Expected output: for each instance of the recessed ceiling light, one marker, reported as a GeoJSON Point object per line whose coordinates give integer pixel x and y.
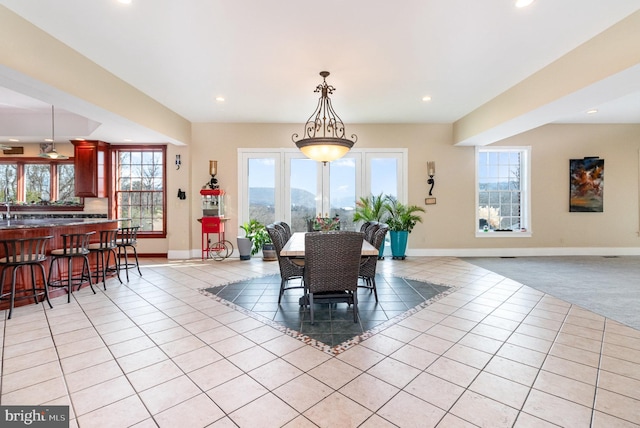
{"type": "Point", "coordinates": [124, 1]}
{"type": "Point", "coordinates": [426, 98]}
{"type": "Point", "coordinates": [220, 99]}
{"type": "Point", "coordinates": [127, 140]}
{"type": "Point", "coordinates": [523, 3]}
{"type": "Point", "coordinates": [14, 140]}
{"type": "Point", "coordinates": [592, 111]}
{"type": "Point", "coordinates": [50, 140]}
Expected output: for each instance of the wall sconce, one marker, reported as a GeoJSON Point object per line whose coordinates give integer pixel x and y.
{"type": "Point", "coordinates": [213, 170]}
{"type": "Point", "coordinates": [178, 162]}
{"type": "Point", "coordinates": [431, 171]}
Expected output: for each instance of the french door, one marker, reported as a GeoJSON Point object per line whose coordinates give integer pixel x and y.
{"type": "Point", "coordinates": [282, 184]}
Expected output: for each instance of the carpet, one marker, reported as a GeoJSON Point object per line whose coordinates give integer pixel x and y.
{"type": "Point", "coordinates": [608, 286]}
{"type": "Point", "coordinates": [334, 330]}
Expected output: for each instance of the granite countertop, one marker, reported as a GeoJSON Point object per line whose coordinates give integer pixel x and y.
{"type": "Point", "coordinates": [24, 223]}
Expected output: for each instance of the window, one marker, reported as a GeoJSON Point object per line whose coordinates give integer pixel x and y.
{"type": "Point", "coordinates": [32, 183]}
{"type": "Point", "coordinates": [282, 184]}
{"type": "Point", "coordinates": [262, 189]}
{"type": "Point", "coordinates": [502, 178]}
{"type": "Point", "coordinates": [139, 187]}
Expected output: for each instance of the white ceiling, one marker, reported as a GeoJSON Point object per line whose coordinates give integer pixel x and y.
{"type": "Point", "coordinates": [264, 57]}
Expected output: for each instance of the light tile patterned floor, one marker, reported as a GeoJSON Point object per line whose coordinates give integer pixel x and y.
{"type": "Point", "coordinates": [157, 352]}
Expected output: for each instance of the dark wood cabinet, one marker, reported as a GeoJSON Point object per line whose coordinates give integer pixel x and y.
{"type": "Point", "coordinates": [90, 162]}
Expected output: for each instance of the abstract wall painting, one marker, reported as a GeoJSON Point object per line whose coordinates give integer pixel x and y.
{"type": "Point", "coordinates": [586, 178]}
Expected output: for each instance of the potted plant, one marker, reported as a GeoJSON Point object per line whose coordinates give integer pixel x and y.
{"type": "Point", "coordinates": [262, 241]}
{"type": "Point", "coordinates": [245, 243]}
{"type": "Point", "coordinates": [372, 208]}
{"type": "Point", "coordinates": [402, 219]}
{"type": "Point", "coordinates": [256, 238]}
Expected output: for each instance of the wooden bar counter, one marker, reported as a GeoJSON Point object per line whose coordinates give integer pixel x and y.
{"type": "Point", "coordinates": [56, 227]}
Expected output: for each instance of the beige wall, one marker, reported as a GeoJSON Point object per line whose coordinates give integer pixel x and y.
{"type": "Point", "coordinates": [448, 227]}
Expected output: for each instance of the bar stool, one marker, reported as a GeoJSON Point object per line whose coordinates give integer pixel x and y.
{"type": "Point", "coordinates": [106, 245]}
{"type": "Point", "coordinates": [128, 238]}
{"type": "Point", "coordinates": [74, 246]}
{"type": "Point", "coordinates": [19, 253]}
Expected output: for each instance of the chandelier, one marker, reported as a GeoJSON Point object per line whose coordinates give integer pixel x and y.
{"type": "Point", "coordinates": [324, 139]}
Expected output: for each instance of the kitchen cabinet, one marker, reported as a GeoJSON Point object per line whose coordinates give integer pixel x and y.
{"type": "Point", "coordinates": [90, 163]}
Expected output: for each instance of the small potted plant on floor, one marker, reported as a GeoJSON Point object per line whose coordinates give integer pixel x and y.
{"type": "Point", "coordinates": [256, 238]}
{"type": "Point", "coordinates": [402, 219]}
{"type": "Point", "coordinates": [245, 243]}
{"type": "Point", "coordinates": [262, 241]}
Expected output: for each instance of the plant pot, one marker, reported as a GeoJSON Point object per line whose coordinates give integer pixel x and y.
{"type": "Point", "coordinates": [244, 248]}
{"type": "Point", "coordinates": [269, 253]}
{"type": "Point", "coordinates": [398, 243]}
{"type": "Point", "coordinates": [381, 252]}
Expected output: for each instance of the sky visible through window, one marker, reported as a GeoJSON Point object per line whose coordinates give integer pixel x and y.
{"type": "Point", "coordinates": [383, 176]}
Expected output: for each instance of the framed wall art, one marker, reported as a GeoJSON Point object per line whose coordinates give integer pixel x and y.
{"type": "Point", "coordinates": [586, 185]}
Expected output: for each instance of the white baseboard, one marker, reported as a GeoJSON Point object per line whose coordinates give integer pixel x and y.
{"type": "Point", "coordinates": [182, 254]}
{"type": "Point", "coordinates": [524, 252]}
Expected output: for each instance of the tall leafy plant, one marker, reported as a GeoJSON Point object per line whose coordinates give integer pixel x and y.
{"type": "Point", "coordinates": [371, 208]}
{"type": "Point", "coordinates": [402, 217]}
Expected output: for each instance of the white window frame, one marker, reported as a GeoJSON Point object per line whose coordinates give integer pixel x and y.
{"type": "Point", "coordinates": [282, 157]}
{"type": "Point", "coordinates": [243, 156]}
{"type": "Point", "coordinates": [525, 189]}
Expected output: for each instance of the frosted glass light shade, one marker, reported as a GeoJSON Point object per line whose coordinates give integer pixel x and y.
{"type": "Point", "coordinates": [324, 149]}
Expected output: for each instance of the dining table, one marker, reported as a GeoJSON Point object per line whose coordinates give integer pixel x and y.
{"type": "Point", "coordinates": [295, 247]}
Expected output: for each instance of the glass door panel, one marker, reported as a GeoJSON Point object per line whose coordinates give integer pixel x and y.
{"type": "Point", "coordinates": [342, 191]}
{"type": "Point", "coordinates": [303, 194]}
{"type": "Point", "coordinates": [262, 189]}
{"type": "Point", "coordinates": [384, 176]}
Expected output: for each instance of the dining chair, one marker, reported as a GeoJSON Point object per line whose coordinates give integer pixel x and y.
{"type": "Point", "coordinates": [285, 226]}
{"type": "Point", "coordinates": [364, 226]}
{"type": "Point", "coordinates": [368, 266]}
{"type": "Point", "coordinates": [370, 231]}
{"type": "Point", "coordinates": [332, 265]}
{"type": "Point", "coordinates": [290, 268]}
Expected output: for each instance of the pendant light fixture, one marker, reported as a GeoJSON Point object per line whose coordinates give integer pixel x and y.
{"type": "Point", "coordinates": [324, 139]}
{"type": "Point", "coordinates": [53, 154]}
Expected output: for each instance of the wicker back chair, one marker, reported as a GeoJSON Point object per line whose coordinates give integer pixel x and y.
{"type": "Point", "coordinates": [289, 268]}
{"type": "Point", "coordinates": [364, 226]}
{"type": "Point", "coordinates": [332, 263]}
{"type": "Point", "coordinates": [286, 227]}
{"type": "Point", "coordinates": [368, 265]}
{"type": "Point", "coordinates": [370, 231]}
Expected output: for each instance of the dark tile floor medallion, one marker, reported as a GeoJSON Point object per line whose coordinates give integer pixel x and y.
{"type": "Point", "coordinates": [333, 330]}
